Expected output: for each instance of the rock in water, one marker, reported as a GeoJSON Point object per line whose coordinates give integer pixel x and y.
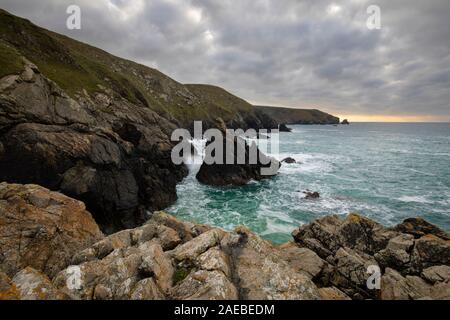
{"type": "Point", "coordinates": [41, 229]}
{"type": "Point", "coordinates": [284, 128]}
{"type": "Point", "coordinates": [311, 195]}
{"type": "Point", "coordinates": [237, 174]}
{"type": "Point", "coordinates": [345, 122]}
{"type": "Point", "coordinates": [288, 160]}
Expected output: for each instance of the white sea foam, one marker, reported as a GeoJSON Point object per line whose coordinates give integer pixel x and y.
{"type": "Point", "coordinates": [418, 199]}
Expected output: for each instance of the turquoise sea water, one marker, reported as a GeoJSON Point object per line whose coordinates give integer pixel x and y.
{"type": "Point", "coordinates": [386, 171]}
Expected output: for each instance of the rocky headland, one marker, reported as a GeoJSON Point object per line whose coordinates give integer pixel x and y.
{"type": "Point", "coordinates": [52, 249]}
{"type": "Point", "coordinates": [298, 116]}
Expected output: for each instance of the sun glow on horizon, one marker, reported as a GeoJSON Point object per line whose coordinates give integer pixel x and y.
{"type": "Point", "coordinates": [393, 118]}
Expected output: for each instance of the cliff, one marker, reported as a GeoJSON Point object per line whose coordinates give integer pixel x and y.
{"type": "Point", "coordinates": [298, 116]}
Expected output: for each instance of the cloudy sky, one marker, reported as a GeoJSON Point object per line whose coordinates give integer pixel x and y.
{"type": "Point", "coordinates": [306, 54]}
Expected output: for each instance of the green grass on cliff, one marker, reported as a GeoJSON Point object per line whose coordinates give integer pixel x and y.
{"type": "Point", "coordinates": [10, 61]}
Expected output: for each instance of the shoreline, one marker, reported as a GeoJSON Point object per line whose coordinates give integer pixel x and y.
{"type": "Point", "coordinates": [166, 258]}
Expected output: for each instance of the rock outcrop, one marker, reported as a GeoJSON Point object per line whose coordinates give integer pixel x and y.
{"type": "Point", "coordinates": [170, 259]}
{"type": "Point", "coordinates": [41, 229]}
{"type": "Point", "coordinates": [247, 163]}
{"type": "Point", "coordinates": [331, 258]}
{"type": "Point", "coordinates": [298, 116]}
{"type": "Point", "coordinates": [412, 258]}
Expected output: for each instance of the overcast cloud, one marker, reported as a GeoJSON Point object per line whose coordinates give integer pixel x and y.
{"type": "Point", "coordinates": [311, 53]}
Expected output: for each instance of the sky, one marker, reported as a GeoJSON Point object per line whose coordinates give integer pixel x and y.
{"type": "Point", "coordinates": [301, 54]}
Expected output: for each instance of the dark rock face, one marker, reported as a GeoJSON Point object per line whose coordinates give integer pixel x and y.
{"type": "Point", "coordinates": [236, 174]}
{"type": "Point", "coordinates": [412, 267]}
{"type": "Point", "coordinates": [345, 122]}
{"type": "Point", "coordinates": [117, 163]}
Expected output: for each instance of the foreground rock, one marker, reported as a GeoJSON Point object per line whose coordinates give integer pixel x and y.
{"type": "Point", "coordinates": [412, 263]}
{"type": "Point", "coordinates": [170, 259]}
{"type": "Point", "coordinates": [41, 229]}
{"type": "Point", "coordinates": [49, 254]}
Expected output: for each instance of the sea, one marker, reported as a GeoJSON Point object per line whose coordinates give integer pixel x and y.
{"type": "Point", "coordinates": [385, 171]}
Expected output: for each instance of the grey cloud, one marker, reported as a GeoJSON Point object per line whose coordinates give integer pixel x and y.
{"type": "Point", "coordinates": [289, 52]}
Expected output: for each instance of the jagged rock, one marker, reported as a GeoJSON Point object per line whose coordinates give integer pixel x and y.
{"type": "Point", "coordinates": [326, 235]}
{"type": "Point", "coordinates": [156, 264]}
{"type": "Point", "coordinates": [333, 293]}
{"type": "Point", "coordinates": [146, 290]}
{"type": "Point", "coordinates": [192, 249]}
{"type": "Point", "coordinates": [345, 122]}
{"type": "Point", "coordinates": [395, 287]}
{"type": "Point", "coordinates": [186, 231]}
{"type": "Point", "coordinates": [398, 259]}
{"type": "Point", "coordinates": [41, 229]}
{"type": "Point", "coordinates": [302, 259]}
{"type": "Point", "coordinates": [33, 285]}
{"type": "Point", "coordinates": [403, 242]}
{"type": "Point", "coordinates": [418, 227]}
{"type": "Point", "coordinates": [8, 290]}
{"type": "Point", "coordinates": [205, 285]}
{"type": "Point", "coordinates": [440, 291]}
{"type": "Point", "coordinates": [437, 274]}
{"type": "Point", "coordinates": [364, 235]}
{"type": "Point", "coordinates": [117, 275]}
{"type": "Point", "coordinates": [214, 259]}
{"type": "Point", "coordinates": [354, 266]}
{"type": "Point", "coordinates": [263, 274]}
{"type": "Point", "coordinates": [397, 253]}
{"type": "Point", "coordinates": [321, 235]}
{"type": "Point", "coordinates": [429, 251]}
